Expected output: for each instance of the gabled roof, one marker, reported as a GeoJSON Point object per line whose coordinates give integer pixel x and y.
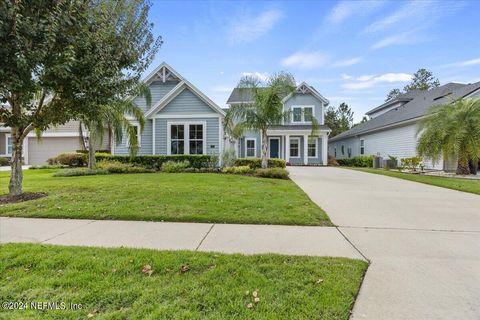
{"type": "Point", "coordinates": [413, 110]}
{"type": "Point", "coordinates": [165, 73]}
{"type": "Point", "coordinates": [246, 96]}
{"type": "Point", "coordinates": [404, 97]}
{"type": "Point", "coordinates": [304, 88]}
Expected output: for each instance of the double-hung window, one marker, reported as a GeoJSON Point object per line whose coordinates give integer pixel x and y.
{"type": "Point", "coordinates": [196, 138]}
{"type": "Point", "coordinates": [250, 148]}
{"type": "Point", "coordinates": [9, 145]}
{"type": "Point", "coordinates": [294, 148]}
{"type": "Point", "coordinates": [362, 146]}
{"type": "Point", "coordinates": [302, 114]}
{"type": "Point", "coordinates": [312, 147]}
{"type": "Point", "coordinates": [187, 138]}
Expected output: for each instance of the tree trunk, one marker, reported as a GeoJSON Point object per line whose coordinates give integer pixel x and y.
{"type": "Point", "coordinates": [462, 167]}
{"type": "Point", "coordinates": [16, 177]}
{"type": "Point", "coordinates": [473, 166]}
{"type": "Point", "coordinates": [91, 150]}
{"type": "Point", "coordinates": [264, 149]}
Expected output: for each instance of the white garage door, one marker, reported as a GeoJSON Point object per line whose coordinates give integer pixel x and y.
{"type": "Point", "coordinates": [40, 150]}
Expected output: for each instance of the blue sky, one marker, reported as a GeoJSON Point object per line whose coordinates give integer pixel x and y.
{"type": "Point", "coordinates": [350, 51]}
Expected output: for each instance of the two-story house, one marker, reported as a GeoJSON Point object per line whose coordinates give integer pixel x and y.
{"type": "Point", "coordinates": [292, 140]}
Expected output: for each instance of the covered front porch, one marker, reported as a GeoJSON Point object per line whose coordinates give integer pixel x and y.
{"type": "Point", "coordinates": [294, 145]}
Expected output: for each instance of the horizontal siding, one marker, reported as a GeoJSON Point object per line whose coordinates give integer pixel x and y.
{"type": "Point", "coordinates": [298, 161]}
{"type": "Point", "coordinates": [212, 135]}
{"type": "Point", "coordinates": [353, 143]}
{"type": "Point", "coordinates": [250, 135]}
{"type": "Point", "coordinates": [299, 99]}
{"type": "Point", "coordinates": [318, 159]}
{"type": "Point", "coordinates": [158, 90]}
{"type": "Point", "coordinates": [186, 103]}
{"type": "Point", "coordinates": [71, 126]}
{"type": "Point", "coordinates": [145, 143]}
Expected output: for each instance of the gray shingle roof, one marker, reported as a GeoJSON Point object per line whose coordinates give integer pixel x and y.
{"type": "Point", "coordinates": [408, 96]}
{"type": "Point", "coordinates": [414, 109]}
{"type": "Point", "coordinates": [240, 96]}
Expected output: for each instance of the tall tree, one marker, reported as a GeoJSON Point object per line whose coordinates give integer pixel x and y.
{"type": "Point", "coordinates": [339, 119]}
{"type": "Point", "coordinates": [46, 72]}
{"type": "Point", "coordinates": [452, 131]}
{"type": "Point", "coordinates": [267, 108]}
{"type": "Point", "coordinates": [421, 80]}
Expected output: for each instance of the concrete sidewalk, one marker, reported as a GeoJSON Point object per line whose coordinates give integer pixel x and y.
{"type": "Point", "coordinates": [227, 238]}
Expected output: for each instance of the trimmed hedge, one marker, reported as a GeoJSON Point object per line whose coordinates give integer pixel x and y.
{"type": "Point", "coordinates": [256, 163]}
{"type": "Point", "coordinates": [4, 162]}
{"type": "Point", "coordinates": [155, 161]}
{"type": "Point", "coordinates": [96, 151]}
{"type": "Point", "coordinates": [363, 162]}
{"type": "Point", "coordinates": [71, 159]}
{"type": "Point", "coordinates": [273, 173]}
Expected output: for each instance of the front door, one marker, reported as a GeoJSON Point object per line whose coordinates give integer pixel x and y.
{"type": "Point", "coordinates": [274, 148]}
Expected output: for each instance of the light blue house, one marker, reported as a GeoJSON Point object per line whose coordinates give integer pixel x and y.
{"type": "Point", "coordinates": [293, 140]}
{"type": "Point", "coordinates": [180, 119]}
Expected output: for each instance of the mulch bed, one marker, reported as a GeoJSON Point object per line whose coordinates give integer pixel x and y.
{"type": "Point", "coordinates": [26, 196]}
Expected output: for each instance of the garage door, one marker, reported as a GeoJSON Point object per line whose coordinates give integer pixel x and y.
{"type": "Point", "coordinates": [40, 150]}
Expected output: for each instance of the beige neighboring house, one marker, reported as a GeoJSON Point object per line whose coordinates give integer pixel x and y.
{"type": "Point", "coordinates": [56, 140]}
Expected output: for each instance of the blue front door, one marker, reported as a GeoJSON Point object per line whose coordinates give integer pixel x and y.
{"type": "Point", "coordinates": [275, 148]}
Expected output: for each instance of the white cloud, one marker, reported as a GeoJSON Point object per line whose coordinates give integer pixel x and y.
{"type": "Point", "coordinates": [408, 37]}
{"type": "Point", "coordinates": [465, 63]}
{"type": "Point", "coordinates": [368, 81]}
{"type": "Point", "coordinates": [306, 60]}
{"type": "Point", "coordinates": [262, 76]}
{"type": "Point", "coordinates": [346, 9]}
{"type": "Point", "coordinates": [248, 28]}
{"type": "Point", "coordinates": [347, 62]}
{"type": "Point", "coordinates": [347, 76]}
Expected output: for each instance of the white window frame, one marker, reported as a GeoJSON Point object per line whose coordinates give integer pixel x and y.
{"type": "Point", "coordinates": [362, 148]}
{"type": "Point", "coordinates": [186, 137]}
{"type": "Point", "coordinates": [254, 147]}
{"type": "Point", "coordinates": [302, 113]}
{"type": "Point", "coordinates": [315, 139]}
{"type": "Point", "coordinates": [290, 148]}
{"type": "Point", "coordinates": [8, 135]}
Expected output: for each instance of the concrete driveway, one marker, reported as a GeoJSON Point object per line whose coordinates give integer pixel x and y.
{"type": "Point", "coordinates": [423, 242]}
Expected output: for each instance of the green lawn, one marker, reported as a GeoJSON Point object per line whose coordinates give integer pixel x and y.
{"type": "Point", "coordinates": [110, 284]}
{"type": "Point", "coordinates": [466, 185]}
{"type": "Point", "coordinates": [194, 197]}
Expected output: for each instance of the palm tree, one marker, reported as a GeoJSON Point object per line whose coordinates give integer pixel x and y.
{"type": "Point", "coordinates": [452, 131]}
{"type": "Point", "coordinates": [114, 117]}
{"type": "Point", "coordinates": [264, 111]}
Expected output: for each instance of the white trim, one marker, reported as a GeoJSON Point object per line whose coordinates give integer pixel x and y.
{"type": "Point", "coordinates": [289, 148]}
{"type": "Point", "coordinates": [472, 93]}
{"type": "Point", "coordinates": [311, 91]}
{"type": "Point", "coordinates": [54, 134]}
{"type": "Point", "coordinates": [165, 99]}
{"type": "Point", "coordinates": [360, 151]}
{"type": "Point", "coordinates": [305, 149]}
{"type": "Point", "coordinates": [302, 114]}
{"type": "Point", "coordinates": [325, 149]}
{"type": "Point", "coordinates": [221, 142]}
{"type": "Point", "coordinates": [25, 150]}
{"type": "Point", "coordinates": [8, 135]}
{"type": "Point", "coordinates": [186, 116]}
{"type": "Point", "coordinates": [315, 138]}
{"type": "Point", "coordinates": [254, 147]}
{"type": "Point", "coordinates": [279, 149]}
{"type": "Point", "coordinates": [153, 136]}
{"type": "Point", "coordinates": [186, 135]}
{"type": "Point", "coordinates": [295, 132]}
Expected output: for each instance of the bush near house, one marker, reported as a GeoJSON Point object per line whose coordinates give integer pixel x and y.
{"type": "Point", "coordinates": [362, 161]}
{"type": "Point", "coordinates": [71, 159]}
{"type": "Point", "coordinates": [155, 161]}
{"type": "Point", "coordinates": [175, 166]}
{"type": "Point", "coordinates": [256, 163]}
{"type": "Point", "coordinates": [411, 163]}
{"type": "Point", "coordinates": [274, 173]}
{"type": "Point", "coordinates": [96, 151]}
{"type": "Point", "coordinates": [238, 170]}
{"type": "Point", "coordinates": [4, 162]}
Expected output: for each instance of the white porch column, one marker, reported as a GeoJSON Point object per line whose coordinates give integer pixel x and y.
{"type": "Point", "coordinates": [305, 149]}
{"type": "Point", "coordinates": [153, 136]}
{"type": "Point", "coordinates": [325, 149]}
{"type": "Point", "coordinates": [287, 148]}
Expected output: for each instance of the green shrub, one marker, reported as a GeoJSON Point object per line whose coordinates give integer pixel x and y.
{"type": "Point", "coordinates": [238, 170]}
{"type": "Point", "coordinates": [47, 166]}
{"type": "Point", "coordinates": [79, 172]}
{"type": "Point", "coordinates": [362, 161]}
{"type": "Point", "coordinates": [411, 163]}
{"type": "Point", "coordinates": [4, 162]}
{"type": "Point", "coordinates": [174, 166]}
{"type": "Point", "coordinates": [229, 157]}
{"type": "Point", "coordinates": [118, 167]}
{"type": "Point", "coordinates": [274, 173]}
{"type": "Point", "coordinates": [71, 159]}
{"type": "Point", "coordinates": [256, 163]}
{"type": "Point", "coordinates": [202, 170]}
{"type": "Point", "coordinates": [155, 161]}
